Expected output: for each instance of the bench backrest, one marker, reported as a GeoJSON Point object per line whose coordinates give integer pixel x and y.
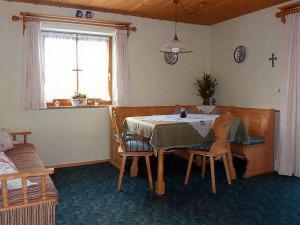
{"type": "Point", "coordinates": [259, 122]}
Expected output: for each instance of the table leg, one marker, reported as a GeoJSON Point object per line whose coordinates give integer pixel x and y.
{"type": "Point", "coordinates": [134, 166]}
{"type": "Point", "coordinates": [160, 184]}
{"type": "Point", "coordinates": [230, 164]}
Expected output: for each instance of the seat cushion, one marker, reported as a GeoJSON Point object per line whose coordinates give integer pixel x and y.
{"type": "Point", "coordinates": [6, 167]}
{"type": "Point", "coordinates": [25, 158]}
{"type": "Point", "coordinates": [253, 141]}
{"type": "Point", "coordinates": [129, 136]}
{"type": "Point", "coordinates": [204, 146]}
{"type": "Point", "coordinates": [6, 141]}
{"type": "Point", "coordinates": [137, 146]}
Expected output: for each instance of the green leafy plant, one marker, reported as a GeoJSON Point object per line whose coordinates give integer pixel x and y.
{"type": "Point", "coordinates": [78, 95]}
{"type": "Point", "coordinates": [206, 87]}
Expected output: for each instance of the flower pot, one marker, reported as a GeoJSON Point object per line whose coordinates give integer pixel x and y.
{"type": "Point", "coordinates": [79, 101]}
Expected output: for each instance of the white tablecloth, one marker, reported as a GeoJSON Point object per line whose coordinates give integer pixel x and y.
{"type": "Point", "coordinates": [200, 122]}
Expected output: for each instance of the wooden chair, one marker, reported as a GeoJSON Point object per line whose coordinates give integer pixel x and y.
{"type": "Point", "coordinates": [218, 149]}
{"type": "Point", "coordinates": [131, 146]}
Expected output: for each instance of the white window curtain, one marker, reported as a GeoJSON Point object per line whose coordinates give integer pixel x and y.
{"type": "Point", "coordinates": [288, 158]}
{"type": "Point", "coordinates": [122, 90]}
{"type": "Point", "coordinates": [33, 67]}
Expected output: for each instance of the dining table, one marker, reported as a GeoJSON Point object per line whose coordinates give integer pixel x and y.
{"type": "Point", "coordinates": [172, 132]}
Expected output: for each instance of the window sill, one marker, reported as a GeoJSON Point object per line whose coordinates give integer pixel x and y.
{"type": "Point", "coordinates": [77, 107]}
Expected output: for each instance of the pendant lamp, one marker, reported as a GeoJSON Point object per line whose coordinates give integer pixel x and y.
{"type": "Point", "coordinates": [175, 46]}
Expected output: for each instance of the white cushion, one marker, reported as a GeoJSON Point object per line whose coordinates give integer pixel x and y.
{"type": "Point", "coordinates": [7, 166]}
{"type": "Point", "coordinates": [6, 141]}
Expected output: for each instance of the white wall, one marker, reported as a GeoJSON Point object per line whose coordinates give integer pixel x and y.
{"type": "Point", "coordinates": [253, 83]}
{"type": "Point", "coordinates": [73, 135]}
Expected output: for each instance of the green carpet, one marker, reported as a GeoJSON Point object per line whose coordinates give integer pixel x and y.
{"type": "Point", "coordinates": [88, 196]}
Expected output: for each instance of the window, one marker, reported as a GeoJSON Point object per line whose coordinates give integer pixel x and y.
{"type": "Point", "coordinates": [76, 62]}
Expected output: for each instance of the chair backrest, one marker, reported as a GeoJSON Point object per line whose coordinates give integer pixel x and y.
{"type": "Point", "coordinates": [221, 129]}
{"type": "Point", "coordinates": [117, 119]}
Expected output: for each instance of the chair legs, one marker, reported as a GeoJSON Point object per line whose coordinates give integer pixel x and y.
{"type": "Point", "coordinates": [149, 172]}
{"type": "Point", "coordinates": [226, 169]}
{"type": "Point", "coordinates": [212, 169]}
{"type": "Point", "coordinates": [212, 172]}
{"type": "Point", "coordinates": [188, 171]}
{"type": "Point", "coordinates": [122, 168]}
{"type": "Point", "coordinates": [203, 166]}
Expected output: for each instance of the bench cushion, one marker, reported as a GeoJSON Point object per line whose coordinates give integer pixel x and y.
{"type": "Point", "coordinates": [128, 136]}
{"type": "Point", "coordinates": [253, 141]}
{"type": "Point", "coordinates": [136, 146]}
{"type": "Point", "coordinates": [25, 158]}
{"type": "Point", "coordinates": [204, 146]}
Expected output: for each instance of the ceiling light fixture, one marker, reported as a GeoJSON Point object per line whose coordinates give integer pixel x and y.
{"type": "Point", "coordinates": [174, 47]}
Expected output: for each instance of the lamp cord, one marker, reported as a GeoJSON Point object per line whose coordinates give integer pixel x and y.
{"type": "Point", "coordinates": [176, 18]}
{"type": "Point", "coordinates": [185, 10]}
{"type": "Point", "coordinates": [188, 12]}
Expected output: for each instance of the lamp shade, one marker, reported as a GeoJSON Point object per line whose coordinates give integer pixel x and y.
{"type": "Point", "coordinates": [175, 46]}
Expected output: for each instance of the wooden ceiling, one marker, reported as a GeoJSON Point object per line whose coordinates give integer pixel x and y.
{"type": "Point", "coordinates": [210, 11]}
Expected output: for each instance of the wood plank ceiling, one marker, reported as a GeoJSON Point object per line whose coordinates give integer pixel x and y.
{"type": "Point", "coordinates": [210, 11]}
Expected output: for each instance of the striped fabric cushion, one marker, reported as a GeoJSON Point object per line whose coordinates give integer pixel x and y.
{"type": "Point", "coordinates": [253, 141]}
{"type": "Point", "coordinates": [129, 136]}
{"type": "Point", "coordinates": [204, 146]}
{"type": "Point", "coordinates": [6, 167]}
{"type": "Point", "coordinates": [136, 146]}
{"type": "Point", "coordinates": [25, 157]}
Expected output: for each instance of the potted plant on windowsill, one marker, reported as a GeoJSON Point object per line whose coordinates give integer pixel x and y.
{"type": "Point", "coordinates": [79, 99]}
{"type": "Point", "coordinates": [206, 87]}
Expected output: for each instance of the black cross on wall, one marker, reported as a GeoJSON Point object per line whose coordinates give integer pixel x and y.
{"type": "Point", "coordinates": [273, 58]}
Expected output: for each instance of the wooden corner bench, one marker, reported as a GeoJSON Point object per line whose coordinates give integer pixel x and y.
{"type": "Point", "coordinates": [259, 123]}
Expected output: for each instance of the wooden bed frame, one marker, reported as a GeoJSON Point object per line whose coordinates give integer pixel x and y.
{"type": "Point", "coordinates": [24, 175]}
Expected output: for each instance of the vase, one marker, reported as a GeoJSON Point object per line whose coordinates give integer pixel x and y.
{"type": "Point", "coordinates": [206, 101]}
{"type": "Point", "coordinates": [79, 101]}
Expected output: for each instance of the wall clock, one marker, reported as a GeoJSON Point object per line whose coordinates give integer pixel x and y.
{"type": "Point", "coordinates": [171, 58]}
{"type": "Point", "coordinates": [240, 54]}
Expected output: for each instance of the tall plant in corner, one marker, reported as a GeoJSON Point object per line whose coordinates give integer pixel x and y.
{"type": "Point", "coordinates": [206, 87]}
